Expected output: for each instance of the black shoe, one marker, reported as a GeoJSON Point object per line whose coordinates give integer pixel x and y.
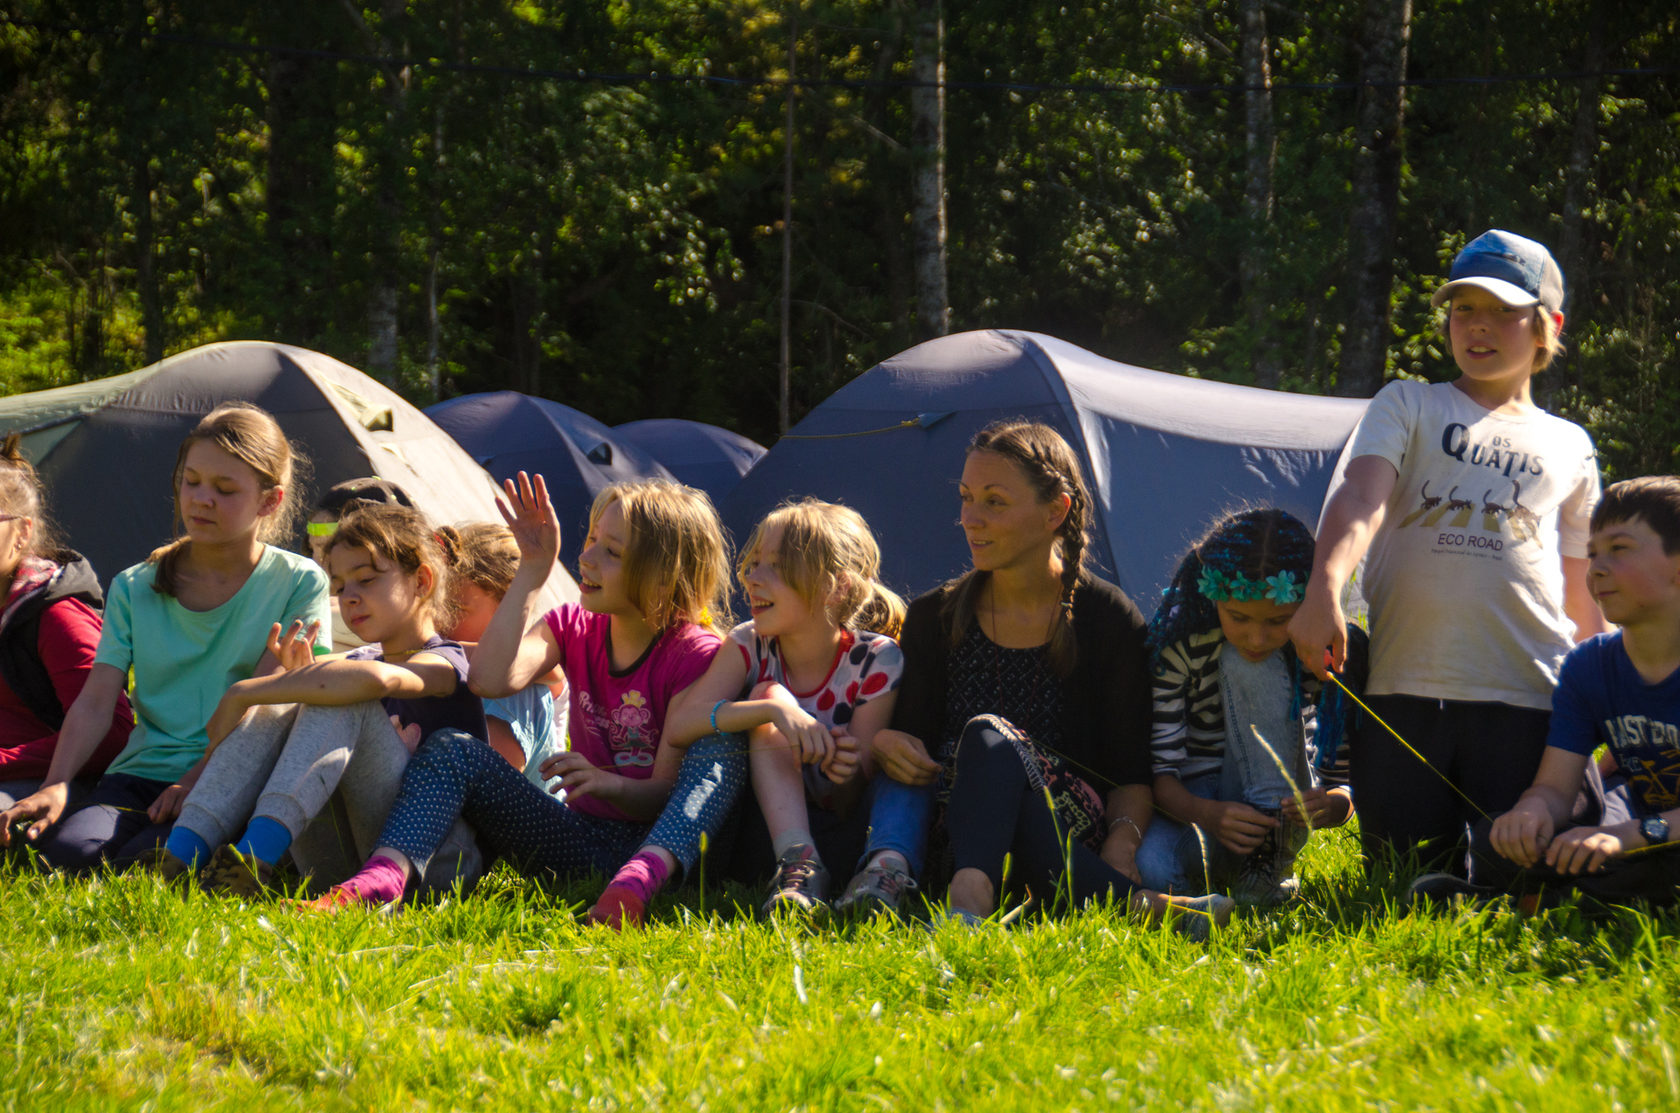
{"type": "Point", "coordinates": [1441, 890]}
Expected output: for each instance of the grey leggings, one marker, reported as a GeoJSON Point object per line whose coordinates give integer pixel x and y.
{"type": "Point", "coordinates": [328, 775]}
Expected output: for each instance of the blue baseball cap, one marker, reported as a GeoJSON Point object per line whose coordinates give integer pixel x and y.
{"type": "Point", "coordinates": [1513, 268]}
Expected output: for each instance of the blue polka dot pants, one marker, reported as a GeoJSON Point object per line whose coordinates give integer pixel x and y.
{"type": "Point", "coordinates": [454, 774]}
{"type": "Point", "coordinates": [713, 773]}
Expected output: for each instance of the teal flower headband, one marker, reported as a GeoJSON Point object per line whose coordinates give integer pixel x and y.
{"type": "Point", "coordinates": [1282, 589]}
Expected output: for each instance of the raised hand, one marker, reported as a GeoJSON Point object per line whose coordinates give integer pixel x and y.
{"type": "Point", "coordinates": [297, 648]}
{"type": "Point", "coordinates": [530, 515]}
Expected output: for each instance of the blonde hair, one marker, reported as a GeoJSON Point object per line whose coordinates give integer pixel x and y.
{"type": "Point", "coordinates": [1051, 469]}
{"type": "Point", "coordinates": [829, 555]}
{"type": "Point", "coordinates": [21, 494]}
{"type": "Point", "coordinates": [1550, 333]}
{"type": "Point", "coordinates": [486, 556]}
{"type": "Point", "coordinates": [250, 435]}
{"type": "Point", "coordinates": [676, 562]}
{"type": "Point", "coordinates": [402, 536]}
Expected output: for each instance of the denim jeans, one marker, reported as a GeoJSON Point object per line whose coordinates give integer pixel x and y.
{"type": "Point", "coordinates": [899, 818]}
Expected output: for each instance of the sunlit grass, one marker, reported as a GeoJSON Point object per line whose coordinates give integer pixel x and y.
{"type": "Point", "coordinates": [125, 993]}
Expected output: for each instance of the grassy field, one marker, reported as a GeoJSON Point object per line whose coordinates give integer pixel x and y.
{"type": "Point", "coordinates": [125, 994]}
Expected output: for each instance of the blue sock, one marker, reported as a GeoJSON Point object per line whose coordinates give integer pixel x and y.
{"type": "Point", "coordinates": [265, 839]}
{"type": "Point", "coordinates": [187, 846]}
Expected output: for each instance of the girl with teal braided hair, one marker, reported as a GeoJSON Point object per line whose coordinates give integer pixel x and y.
{"type": "Point", "coordinates": [1247, 747]}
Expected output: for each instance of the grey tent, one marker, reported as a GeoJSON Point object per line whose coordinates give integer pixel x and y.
{"type": "Point", "coordinates": [105, 449]}
{"type": "Point", "coordinates": [1165, 453]}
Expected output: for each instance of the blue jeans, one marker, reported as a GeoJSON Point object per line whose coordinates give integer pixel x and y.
{"type": "Point", "coordinates": [899, 818]}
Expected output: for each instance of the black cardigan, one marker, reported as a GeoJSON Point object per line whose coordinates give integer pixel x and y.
{"type": "Point", "coordinates": [1106, 706]}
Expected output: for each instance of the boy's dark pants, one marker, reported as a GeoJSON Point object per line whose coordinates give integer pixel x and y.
{"type": "Point", "coordinates": [1648, 875]}
{"type": "Point", "coordinates": [1489, 751]}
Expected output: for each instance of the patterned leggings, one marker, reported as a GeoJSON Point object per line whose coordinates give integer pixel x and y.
{"type": "Point", "coordinates": [453, 774]}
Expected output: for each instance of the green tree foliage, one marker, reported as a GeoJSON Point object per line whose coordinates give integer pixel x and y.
{"type": "Point", "coordinates": [583, 199]}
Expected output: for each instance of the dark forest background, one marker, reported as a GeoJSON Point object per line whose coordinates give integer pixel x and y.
{"type": "Point", "coordinates": [584, 200]}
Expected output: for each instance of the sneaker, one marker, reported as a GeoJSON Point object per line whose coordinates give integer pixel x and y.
{"type": "Point", "coordinates": [800, 884]}
{"type": "Point", "coordinates": [1265, 868]}
{"type": "Point", "coordinates": [880, 887]}
{"type": "Point", "coordinates": [1441, 890]}
{"type": "Point", "coordinates": [1195, 918]}
{"type": "Point", "coordinates": [957, 916]}
{"type": "Point", "coordinates": [161, 864]}
{"type": "Point", "coordinates": [236, 875]}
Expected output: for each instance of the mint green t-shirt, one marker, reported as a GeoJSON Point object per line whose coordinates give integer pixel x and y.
{"type": "Point", "coordinates": [184, 660]}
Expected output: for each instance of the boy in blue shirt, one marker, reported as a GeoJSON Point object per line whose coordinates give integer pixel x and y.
{"type": "Point", "coordinates": [1621, 690]}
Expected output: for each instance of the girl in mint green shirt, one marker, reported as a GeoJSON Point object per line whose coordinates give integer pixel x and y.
{"type": "Point", "coordinates": [191, 619]}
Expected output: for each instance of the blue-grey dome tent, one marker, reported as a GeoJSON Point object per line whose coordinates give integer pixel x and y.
{"type": "Point", "coordinates": [1164, 453]}
{"type": "Point", "coordinates": [704, 456]}
{"type": "Point", "coordinates": [105, 449]}
{"type": "Point", "coordinates": [509, 432]}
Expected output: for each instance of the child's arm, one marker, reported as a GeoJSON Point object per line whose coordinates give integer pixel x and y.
{"type": "Point", "coordinates": [333, 684]}
{"type": "Point", "coordinates": [1128, 814]}
{"type": "Point", "coordinates": [1352, 518]}
{"type": "Point", "coordinates": [1238, 827]}
{"type": "Point", "coordinates": [85, 724]}
{"type": "Point", "coordinates": [689, 717]}
{"type": "Point", "coordinates": [1578, 602]}
{"type": "Point", "coordinates": [517, 645]}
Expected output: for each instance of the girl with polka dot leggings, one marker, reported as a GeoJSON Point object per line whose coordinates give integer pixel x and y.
{"type": "Point", "coordinates": [651, 576]}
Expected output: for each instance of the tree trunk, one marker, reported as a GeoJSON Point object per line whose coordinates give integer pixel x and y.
{"type": "Point", "coordinates": [1385, 35]}
{"type": "Point", "coordinates": [927, 155]}
{"type": "Point", "coordinates": [1260, 145]}
{"type": "Point", "coordinates": [302, 131]}
{"type": "Point", "coordinates": [145, 247]}
{"type": "Point", "coordinates": [784, 388]}
{"type": "Point", "coordinates": [1573, 256]}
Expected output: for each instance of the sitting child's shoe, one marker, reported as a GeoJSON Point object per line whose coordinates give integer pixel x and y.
{"type": "Point", "coordinates": [1195, 918]}
{"type": "Point", "coordinates": [1443, 890]}
{"type": "Point", "coordinates": [233, 874]}
{"type": "Point", "coordinates": [800, 884]}
{"type": "Point", "coordinates": [618, 908]}
{"type": "Point", "coordinates": [879, 887]}
{"type": "Point", "coordinates": [1266, 868]}
{"type": "Point", "coordinates": [161, 864]}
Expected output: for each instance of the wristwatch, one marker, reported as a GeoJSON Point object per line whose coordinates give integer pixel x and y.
{"type": "Point", "coordinates": [1655, 829]}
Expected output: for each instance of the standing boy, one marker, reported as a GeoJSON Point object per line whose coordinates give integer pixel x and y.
{"type": "Point", "coordinates": [1621, 690]}
{"type": "Point", "coordinates": [1473, 503]}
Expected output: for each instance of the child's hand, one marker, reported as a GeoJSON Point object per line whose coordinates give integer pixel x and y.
{"type": "Point", "coordinates": [844, 764]}
{"type": "Point", "coordinates": [1241, 828]}
{"type": "Point", "coordinates": [1323, 808]}
{"type": "Point", "coordinates": [297, 648]}
{"type": "Point", "coordinates": [904, 758]}
{"type": "Point", "coordinates": [35, 812]}
{"type": "Point", "coordinates": [1320, 623]}
{"type": "Point", "coordinates": [577, 776]}
{"type": "Point", "coordinates": [409, 733]}
{"type": "Point", "coordinates": [1522, 836]}
{"type": "Point", "coordinates": [530, 515]}
{"type": "Point", "coordinates": [809, 739]}
{"type": "Point", "coordinates": [168, 804]}
{"type": "Point", "coordinates": [1584, 850]}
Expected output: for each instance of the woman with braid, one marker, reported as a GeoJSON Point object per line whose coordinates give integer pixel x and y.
{"type": "Point", "coordinates": [1024, 708]}
{"type": "Point", "coordinates": [1247, 756]}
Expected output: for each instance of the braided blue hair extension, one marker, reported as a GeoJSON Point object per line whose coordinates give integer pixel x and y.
{"type": "Point", "coordinates": [1251, 554]}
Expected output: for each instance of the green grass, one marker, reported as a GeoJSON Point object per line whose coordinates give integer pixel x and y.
{"type": "Point", "coordinates": [123, 993]}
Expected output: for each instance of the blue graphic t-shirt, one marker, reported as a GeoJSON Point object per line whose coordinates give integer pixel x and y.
{"type": "Point", "coordinates": [1601, 698]}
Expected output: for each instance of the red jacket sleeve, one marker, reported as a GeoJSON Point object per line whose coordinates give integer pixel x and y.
{"type": "Point", "coordinates": [68, 637]}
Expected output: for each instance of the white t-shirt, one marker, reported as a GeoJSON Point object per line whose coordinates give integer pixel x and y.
{"type": "Point", "coordinates": [1465, 578]}
{"type": "Point", "coordinates": [867, 665]}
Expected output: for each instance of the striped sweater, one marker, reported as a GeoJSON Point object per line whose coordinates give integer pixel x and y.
{"type": "Point", "coordinates": [1188, 733]}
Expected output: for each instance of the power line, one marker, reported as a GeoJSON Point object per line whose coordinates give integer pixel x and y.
{"type": "Point", "coordinates": [590, 77]}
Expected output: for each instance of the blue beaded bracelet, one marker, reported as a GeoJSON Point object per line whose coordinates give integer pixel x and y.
{"type": "Point", "coordinates": [715, 708]}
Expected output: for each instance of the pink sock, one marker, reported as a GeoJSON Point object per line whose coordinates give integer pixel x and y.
{"type": "Point", "coordinates": [379, 882]}
{"type": "Point", "coordinates": [642, 876]}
